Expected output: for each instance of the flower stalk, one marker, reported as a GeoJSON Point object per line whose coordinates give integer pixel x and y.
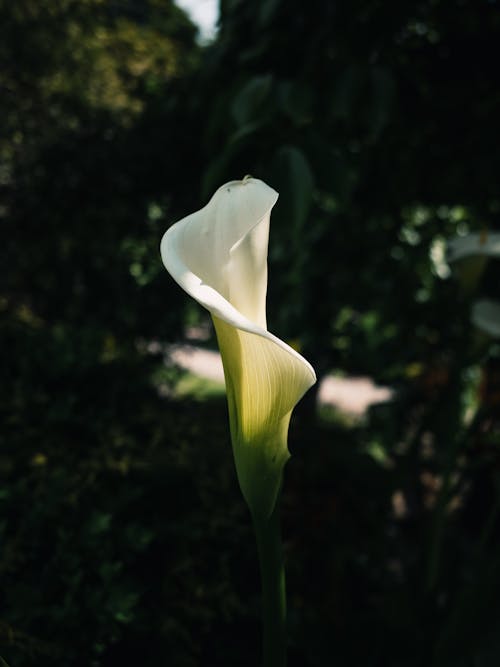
{"type": "Point", "coordinates": [272, 569]}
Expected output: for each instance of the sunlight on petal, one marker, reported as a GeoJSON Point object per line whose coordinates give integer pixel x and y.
{"type": "Point", "coordinates": [218, 255]}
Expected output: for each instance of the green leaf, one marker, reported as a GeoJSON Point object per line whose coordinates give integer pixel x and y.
{"type": "Point", "coordinates": [347, 92]}
{"type": "Point", "coordinates": [295, 101]}
{"type": "Point", "coordinates": [294, 181]}
{"type": "Point", "coordinates": [383, 93]}
{"type": "Point", "coordinates": [243, 132]}
{"type": "Point", "coordinates": [217, 171]}
{"type": "Point", "coordinates": [98, 523]}
{"type": "Point", "coordinates": [252, 100]}
{"type": "Point", "coordinates": [267, 11]}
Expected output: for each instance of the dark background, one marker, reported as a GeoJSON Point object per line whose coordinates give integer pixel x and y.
{"type": "Point", "coordinates": [123, 537]}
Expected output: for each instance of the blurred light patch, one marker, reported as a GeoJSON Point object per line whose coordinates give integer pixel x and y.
{"type": "Point", "coordinates": [437, 253]}
{"type": "Point", "coordinates": [204, 14]}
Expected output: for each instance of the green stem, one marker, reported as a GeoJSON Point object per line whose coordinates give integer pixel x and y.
{"type": "Point", "coordinates": [439, 524]}
{"type": "Point", "coordinates": [267, 532]}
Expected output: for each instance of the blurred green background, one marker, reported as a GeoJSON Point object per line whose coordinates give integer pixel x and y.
{"type": "Point", "coordinates": [123, 537]}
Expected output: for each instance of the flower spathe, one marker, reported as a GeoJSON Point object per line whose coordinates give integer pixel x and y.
{"type": "Point", "coordinates": [476, 244]}
{"type": "Point", "coordinates": [486, 317]}
{"type": "Point", "coordinates": [218, 255]}
{"type": "Point", "coordinates": [470, 254]}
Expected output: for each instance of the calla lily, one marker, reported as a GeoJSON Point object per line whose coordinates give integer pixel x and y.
{"type": "Point", "coordinates": [482, 244]}
{"type": "Point", "coordinates": [218, 255]}
{"type": "Point", "coordinates": [469, 254]}
{"type": "Point", "coordinates": [486, 317]}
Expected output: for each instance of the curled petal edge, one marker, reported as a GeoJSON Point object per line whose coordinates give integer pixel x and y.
{"type": "Point", "coordinates": [212, 300]}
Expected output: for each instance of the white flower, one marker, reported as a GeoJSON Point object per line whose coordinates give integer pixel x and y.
{"type": "Point", "coordinates": [486, 316]}
{"type": "Point", "coordinates": [470, 255]}
{"type": "Point", "coordinates": [218, 255]}
{"type": "Point", "coordinates": [478, 244]}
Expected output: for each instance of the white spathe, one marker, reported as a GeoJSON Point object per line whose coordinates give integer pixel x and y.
{"type": "Point", "coordinates": [481, 244]}
{"type": "Point", "coordinates": [218, 255]}
{"type": "Point", "coordinates": [486, 316]}
{"type": "Point", "coordinates": [470, 254]}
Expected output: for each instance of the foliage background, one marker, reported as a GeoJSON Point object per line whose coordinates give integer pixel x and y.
{"type": "Point", "coordinates": [123, 538]}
